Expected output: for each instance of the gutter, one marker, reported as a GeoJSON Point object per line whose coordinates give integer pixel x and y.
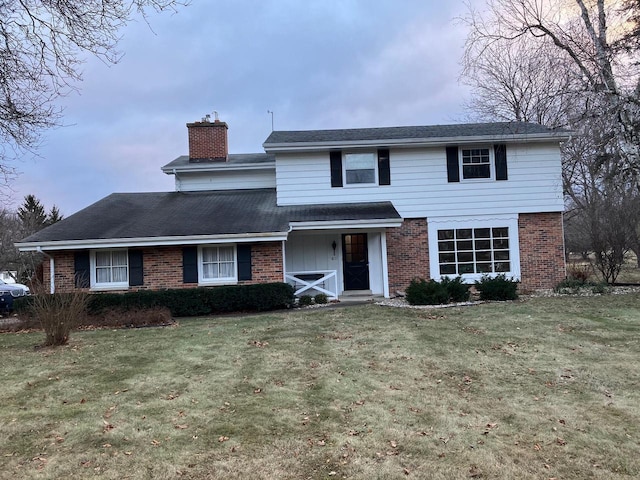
{"type": "Point", "coordinates": [52, 270]}
{"type": "Point", "coordinates": [416, 142]}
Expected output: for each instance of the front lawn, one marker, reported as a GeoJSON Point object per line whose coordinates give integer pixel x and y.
{"type": "Point", "coordinates": [536, 389]}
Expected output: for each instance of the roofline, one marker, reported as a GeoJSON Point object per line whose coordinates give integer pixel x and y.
{"type": "Point", "coordinates": [223, 167]}
{"type": "Point", "coordinates": [151, 241]}
{"type": "Point", "coordinates": [333, 224]}
{"type": "Point", "coordinates": [417, 142]}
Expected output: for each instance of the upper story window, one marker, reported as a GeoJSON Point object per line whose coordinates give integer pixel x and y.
{"type": "Point", "coordinates": [476, 163]}
{"type": "Point", "coordinates": [109, 269]}
{"type": "Point", "coordinates": [360, 168]}
{"type": "Point", "coordinates": [365, 169]}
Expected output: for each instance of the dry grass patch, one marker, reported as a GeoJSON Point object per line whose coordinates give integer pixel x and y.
{"type": "Point", "coordinates": [542, 388]}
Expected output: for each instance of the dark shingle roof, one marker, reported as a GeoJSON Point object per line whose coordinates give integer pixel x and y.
{"type": "Point", "coordinates": [178, 214]}
{"type": "Point", "coordinates": [497, 129]}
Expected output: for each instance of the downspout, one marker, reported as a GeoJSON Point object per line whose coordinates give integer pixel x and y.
{"type": "Point", "coordinates": [284, 260]}
{"type": "Point", "coordinates": [52, 270]}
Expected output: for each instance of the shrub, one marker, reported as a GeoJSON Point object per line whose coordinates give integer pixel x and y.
{"type": "Point", "coordinates": [497, 288]}
{"type": "Point", "coordinates": [321, 299]}
{"type": "Point", "coordinates": [421, 292]}
{"type": "Point", "coordinates": [305, 300]}
{"type": "Point", "coordinates": [193, 301]}
{"type": "Point", "coordinates": [457, 289]}
{"type": "Point", "coordinates": [58, 314]}
{"type": "Point", "coordinates": [581, 272]}
{"type": "Point", "coordinates": [132, 318]}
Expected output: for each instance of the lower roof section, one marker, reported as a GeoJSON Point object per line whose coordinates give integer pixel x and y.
{"type": "Point", "coordinates": [179, 218]}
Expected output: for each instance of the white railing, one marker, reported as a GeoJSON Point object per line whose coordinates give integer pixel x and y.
{"type": "Point", "coordinates": [322, 281]}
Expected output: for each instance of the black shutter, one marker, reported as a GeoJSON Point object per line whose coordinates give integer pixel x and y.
{"type": "Point", "coordinates": [244, 262]}
{"type": "Point", "coordinates": [82, 269]}
{"type": "Point", "coordinates": [136, 272]}
{"type": "Point", "coordinates": [500, 152]}
{"type": "Point", "coordinates": [384, 171]}
{"type": "Point", "coordinates": [453, 166]}
{"type": "Point", "coordinates": [190, 264]}
{"type": "Point", "coordinates": [336, 168]}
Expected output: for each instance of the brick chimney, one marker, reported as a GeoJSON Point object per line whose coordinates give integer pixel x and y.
{"type": "Point", "coordinates": [208, 141]}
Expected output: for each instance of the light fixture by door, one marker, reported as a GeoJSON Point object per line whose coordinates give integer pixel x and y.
{"type": "Point", "coordinates": [334, 245]}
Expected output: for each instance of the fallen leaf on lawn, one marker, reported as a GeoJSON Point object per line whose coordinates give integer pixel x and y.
{"type": "Point", "coordinates": [537, 447]}
{"type": "Point", "coordinates": [257, 390]}
{"type": "Point", "coordinates": [222, 438]}
{"type": "Point", "coordinates": [181, 427]}
{"type": "Point", "coordinates": [406, 471]}
{"type": "Point", "coordinates": [322, 443]}
{"type": "Point", "coordinates": [560, 441]}
{"type": "Point", "coordinates": [106, 445]}
{"type": "Point", "coordinates": [128, 453]}
{"type": "Point", "coordinates": [393, 444]}
{"type": "Point", "coordinates": [155, 443]}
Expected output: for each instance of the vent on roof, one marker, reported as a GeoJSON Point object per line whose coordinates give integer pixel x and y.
{"type": "Point", "coordinates": [208, 140]}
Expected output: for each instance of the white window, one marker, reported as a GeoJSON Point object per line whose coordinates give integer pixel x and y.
{"type": "Point", "coordinates": [473, 250]}
{"type": "Point", "coordinates": [476, 163]}
{"type": "Point", "coordinates": [471, 247]}
{"type": "Point", "coordinates": [218, 264]}
{"type": "Point", "coordinates": [109, 268]}
{"type": "Point", "coordinates": [360, 168]}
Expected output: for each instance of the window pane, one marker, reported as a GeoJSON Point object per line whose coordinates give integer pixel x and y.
{"type": "Point", "coordinates": [465, 257]}
{"type": "Point", "coordinates": [463, 233]}
{"type": "Point", "coordinates": [103, 259]}
{"type": "Point", "coordinates": [359, 161]}
{"type": "Point", "coordinates": [445, 234]}
{"type": "Point", "coordinates": [484, 268]}
{"type": "Point", "coordinates": [226, 270]}
{"type": "Point", "coordinates": [103, 275]}
{"type": "Point", "coordinates": [501, 243]}
{"type": "Point", "coordinates": [483, 244]}
{"type": "Point", "coordinates": [482, 233]}
{"type": "Point", "coordinates": [119, 258]}
{"type": "Point", "coordinates": [465, 245]}
{"type": "Point", "coordinates": [476, 171]}
{"type": "Point", "coordinates": [446, 246]}
{"type": "Point", "coordinates": [447, 257]}
{"type": "Point", "coordinates": [209, 270]}
{"type": "Point", "coordinates": [500, 232]}
{"type": "Point", "coordinates": [503, 266]}
{"type": "Point", "coordinates": [483, 256]}
{"type": "Point", "coordinates": [226, 254]}
{"type": "Point", "coordinates": [119, 274]}
{"type": "Point", "coordinates": [447, 269]}
{"type": "Point", "coordinates": [209, 255]}
{"type": "Point", "coordinates": [501, 255]}
{"type": "Point", "coordinates": [465, 268]}
{"type": "Point", "coordinates": [361, 176]}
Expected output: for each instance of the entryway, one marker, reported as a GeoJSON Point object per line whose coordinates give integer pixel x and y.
{"type": "Point", "coordinates": [355, 257]}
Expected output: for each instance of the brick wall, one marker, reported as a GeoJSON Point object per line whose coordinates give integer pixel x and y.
{"type": "Point", "coordinates": [542, 262]}
{"type": "Point", "coordinates": [407, 253]}
{"type": "Point", "coordinates": [208, 141]}
{"type": "Point", "coordinates": [163, 267]}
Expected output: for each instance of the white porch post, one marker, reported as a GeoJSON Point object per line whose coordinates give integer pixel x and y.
{"type": "Point", "coordinates": [284, 263]}
{"type": "Point", "coordinates": [385, 268]}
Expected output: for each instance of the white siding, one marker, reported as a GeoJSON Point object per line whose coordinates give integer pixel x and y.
{"type": "Point", "coordinates": [419, 186]}
{"type": "Point", "coordinates": [239, 180]}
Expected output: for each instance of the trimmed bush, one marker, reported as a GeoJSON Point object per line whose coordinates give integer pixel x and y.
{"type": "Point", "coordinates": [59, 315]}
{"type": "Point", "coordinates": [192, 301]}
{"type": "Point", "coordinates": [497, 288]}
{"type": "Point", "coordinates": [305, 300]}
{"type": "Point", "coordinates": [421, 292]}
{"type": "Point", "coordinates": [321, 299]}
{"type": "Point", "coordinates": [457, 289]}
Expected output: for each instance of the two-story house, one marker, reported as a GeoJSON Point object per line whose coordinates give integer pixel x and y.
{"type": "Point", "coordinates": [333, 211]}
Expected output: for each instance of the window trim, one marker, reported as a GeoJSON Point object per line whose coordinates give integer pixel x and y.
{"type": "Point", "coordinates": [492, 163]}
{"type": "Point", "coordinates": [217, 281]}
{"type": "Point", "coordinates": [94, 284]}
{"type": "Point", "coordinates": [495, 221]}
{"type": "Point", "coordinates": [374, 156]}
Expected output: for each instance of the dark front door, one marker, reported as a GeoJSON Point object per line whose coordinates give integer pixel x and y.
{"type": "Point", "coordinates": [356, 261]}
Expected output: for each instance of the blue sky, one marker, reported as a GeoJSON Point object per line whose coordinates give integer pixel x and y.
{"type": "Point", "coordinates": [315, 64]}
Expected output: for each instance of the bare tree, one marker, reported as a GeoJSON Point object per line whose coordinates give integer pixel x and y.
{"type": "Point", "coordinates": [42, 44]}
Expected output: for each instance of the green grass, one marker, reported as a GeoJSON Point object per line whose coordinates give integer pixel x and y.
{"type": "Point", "coordinates": [537, 389]}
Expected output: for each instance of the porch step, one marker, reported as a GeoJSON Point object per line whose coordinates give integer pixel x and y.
{"type": "Point", "coordinates": [358, 296]}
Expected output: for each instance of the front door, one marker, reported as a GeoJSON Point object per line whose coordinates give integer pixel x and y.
{"type": "Point", "coordinates": [356, 261]}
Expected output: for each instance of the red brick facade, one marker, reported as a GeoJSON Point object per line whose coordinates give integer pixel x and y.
{"type": "Point", "coordinates": [407, 253]}
{"type": "Point", "coordinates": [542, 261]}
{"type": "Point", "coordinates": [208, 141]}
{"type": "Point", "coordinates": [162, 267]}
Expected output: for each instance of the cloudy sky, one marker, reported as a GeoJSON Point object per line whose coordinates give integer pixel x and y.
{"type": "Point", "coordinates": [315, 64]}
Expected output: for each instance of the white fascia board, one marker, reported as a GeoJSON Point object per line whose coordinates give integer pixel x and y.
{"type": "Point", "coordinates": [341, 224]}
{"type": "Point", "coordinates": [417, 142]}
{"type": "Point", "coordinates": [201, 168]}
{"type": "Point", "coordinates": [152, 241]}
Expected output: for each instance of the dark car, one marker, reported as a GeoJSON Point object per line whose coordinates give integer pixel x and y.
{"type": "Point", "coordinates": [9, 291]}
